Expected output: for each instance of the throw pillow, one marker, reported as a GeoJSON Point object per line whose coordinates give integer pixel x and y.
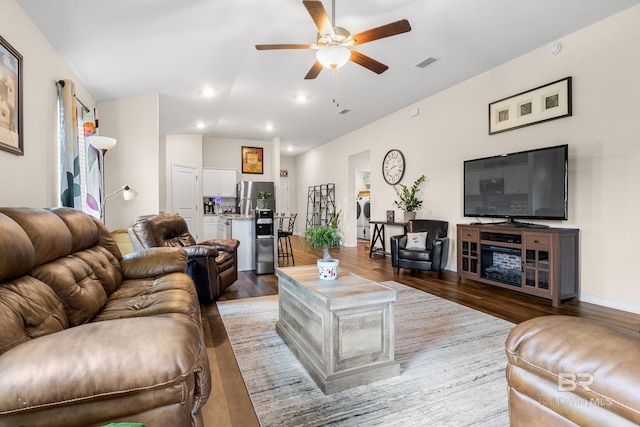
{"type": "Point", "coordinates": [416, 241]}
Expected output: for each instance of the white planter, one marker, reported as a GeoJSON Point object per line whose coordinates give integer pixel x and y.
{"type": "Point", "coordinates": [328, 270]}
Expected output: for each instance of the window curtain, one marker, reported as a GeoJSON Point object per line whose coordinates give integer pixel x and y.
{"type": "Point", "coordinates": [79, 166]}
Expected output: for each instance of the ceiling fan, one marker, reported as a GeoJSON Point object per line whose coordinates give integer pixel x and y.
{"type": "Point", "coordinates": [334, 44]}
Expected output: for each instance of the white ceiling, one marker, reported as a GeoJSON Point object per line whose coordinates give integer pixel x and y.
{"type": "Point", "coordinates": [122, 48]}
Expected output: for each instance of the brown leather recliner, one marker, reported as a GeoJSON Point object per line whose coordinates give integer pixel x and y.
{"type": "Point", "coordinates": [569, 371]}
{"type": "Point", "coordinates": [212, 264]}
{"type": "Point", "coordinates": [89, 337]}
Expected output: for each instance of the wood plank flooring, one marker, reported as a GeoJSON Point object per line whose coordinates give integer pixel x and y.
{"type": "Point", "coordinates": [229, 404]}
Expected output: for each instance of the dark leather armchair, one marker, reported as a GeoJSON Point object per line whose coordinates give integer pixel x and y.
{"type": "Point", "coordinates": [212, 264]}
{"type": "Point", "coordinates": [434, 255]}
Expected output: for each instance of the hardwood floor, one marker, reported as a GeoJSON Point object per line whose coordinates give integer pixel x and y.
{"type": "Point", "coordinates": [230, 405]}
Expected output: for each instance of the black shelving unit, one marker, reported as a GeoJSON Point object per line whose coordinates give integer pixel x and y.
{"type": "Point", "coordinates": [321, 204]}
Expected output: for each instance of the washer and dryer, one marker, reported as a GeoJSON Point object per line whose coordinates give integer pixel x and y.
{"type": "Point", "coordinates": [363, 211]}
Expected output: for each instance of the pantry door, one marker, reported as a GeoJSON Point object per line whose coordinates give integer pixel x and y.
{"type": "Point", "coordinates": [184, 189]}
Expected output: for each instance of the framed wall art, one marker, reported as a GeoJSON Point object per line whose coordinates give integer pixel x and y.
{"type": "Point", "coordinates": [549, 102]}
{"type": "Point", "coordinates": [11, 135]}
{"type": "Point", "coordinates": [252, 158]}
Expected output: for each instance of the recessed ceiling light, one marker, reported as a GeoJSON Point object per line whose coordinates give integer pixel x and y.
{"type": "Point", "coordinates": [268, 127]}
{"type": "Point", "coordinates": [208, 91]}
{"type": "Point", "coordinates": [301, 97]}
{"type": "Point", "coordinates": [290, 148]}
{"type": "Point", "coordinates": [200, 125]}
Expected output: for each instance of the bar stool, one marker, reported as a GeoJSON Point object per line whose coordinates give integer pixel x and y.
{"type": "Point", "coordinates": [280, 218]}
{"type": "Point", "coordinates": [284, 239]}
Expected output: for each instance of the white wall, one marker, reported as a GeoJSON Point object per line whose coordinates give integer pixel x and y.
{"type": "Point", "coordinates": [602, 134]}
{"type": "Point", "coordinates": [134, 160]}
{"type": "Point", "coordinates": [227, 153]}
{"type": "Point", "coordinates": [32, 180]}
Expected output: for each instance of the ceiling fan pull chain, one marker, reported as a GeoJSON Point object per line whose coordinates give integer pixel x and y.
{"type": "Point", "coordinates": [335, 87]}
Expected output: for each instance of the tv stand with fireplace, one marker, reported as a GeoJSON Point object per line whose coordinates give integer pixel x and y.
{"type": "Point", "coordinates": [542, 262]}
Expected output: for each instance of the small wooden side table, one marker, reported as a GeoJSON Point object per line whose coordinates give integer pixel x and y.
{"type": "Point", "coordinates": [378, 235]}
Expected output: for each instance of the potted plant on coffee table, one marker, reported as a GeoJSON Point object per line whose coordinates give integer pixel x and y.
{"type": "Point", "coordinates": [324, 237]}
{"type": "Point", "coordinates": [409, 201]}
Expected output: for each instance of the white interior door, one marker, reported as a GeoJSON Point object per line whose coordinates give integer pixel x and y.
{"type": "Point", "coordinates": [283, 197]}
{"type": "Point", "coordinates": [184, 191]}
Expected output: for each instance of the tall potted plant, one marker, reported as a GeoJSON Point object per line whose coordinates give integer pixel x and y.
{"type": "Point", "coordinates": [324, 237]}
{"type": "Point", "coordinates": [408, 199]}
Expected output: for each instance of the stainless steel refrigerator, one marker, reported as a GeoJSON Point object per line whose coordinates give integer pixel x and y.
{"type": "Point", "coordinates": [248, 194]}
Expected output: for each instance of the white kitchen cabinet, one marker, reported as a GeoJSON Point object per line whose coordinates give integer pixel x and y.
{"type": "Point", "coordinates": [219, 182]}
{"type": "Point", "coordinates": [243, 230]}
{"type": "Point", "coordinates": [214, 227]}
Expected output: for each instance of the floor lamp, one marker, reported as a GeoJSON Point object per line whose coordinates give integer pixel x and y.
{"type": "Point", "coordinates": [102, 144]}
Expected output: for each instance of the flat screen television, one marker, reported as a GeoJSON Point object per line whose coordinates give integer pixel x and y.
{"type": "Point", "coordinates": [529, 184]}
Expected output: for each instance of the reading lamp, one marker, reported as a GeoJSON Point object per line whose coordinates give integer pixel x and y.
{"type": "Point", "coordinates": [128, 193]}
{"type": "Point", "coordinates": [104, 144]}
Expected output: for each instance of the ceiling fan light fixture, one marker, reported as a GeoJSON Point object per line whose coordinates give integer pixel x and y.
{"type": "Point", "coordinates": [333, 56]}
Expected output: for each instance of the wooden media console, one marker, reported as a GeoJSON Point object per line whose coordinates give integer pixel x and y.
{"type": "Point", "coordinates": [537, 261]}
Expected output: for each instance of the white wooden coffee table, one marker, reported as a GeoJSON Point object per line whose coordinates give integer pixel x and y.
{"type": "Point", "coordinates": [342, 331]}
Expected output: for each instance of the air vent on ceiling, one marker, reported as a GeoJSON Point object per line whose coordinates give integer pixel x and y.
{"type": "Point", "coordinates": [343, 111]}
{"type": "Point", "coordinates": [427, 61]}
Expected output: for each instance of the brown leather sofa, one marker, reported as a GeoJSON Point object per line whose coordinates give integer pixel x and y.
{"type": "Point", "coordinates": [88, 337]}
{"type": "Point", "coordinates": [568, 371]}
{"type": "Point", "coordinates": [213, 264]}
{"type": "Point", "coordinates": [432, 257]}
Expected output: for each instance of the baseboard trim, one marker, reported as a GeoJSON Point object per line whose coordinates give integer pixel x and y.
{"type": "Point", "coordinates": [593, 299]}
{"type": "Point", "coordinates": [606, 302]}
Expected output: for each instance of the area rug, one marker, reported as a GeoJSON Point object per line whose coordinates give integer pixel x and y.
{"type": "Point", "coordinates": [452, 368]}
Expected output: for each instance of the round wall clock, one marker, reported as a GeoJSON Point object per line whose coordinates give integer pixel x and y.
{"type": "Point", "coordinates": [393, 167]}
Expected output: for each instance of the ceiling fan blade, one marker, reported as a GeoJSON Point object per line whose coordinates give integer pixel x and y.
{"type": "Point", "coordinates": [319, 16]}
{"type": "Point", "coordinates": [314, 71]}
{"type": "Point", "coordinates": [283, 46]}
{"type": "Point", "coordinates": [381, 32]}
{"type": "Point", "coordinates": [368, 62]}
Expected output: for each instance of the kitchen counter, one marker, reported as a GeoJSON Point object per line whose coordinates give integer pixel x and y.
{"type": "Point", "coordinates": [230, 216]}
{"type": "Point", "coordinates": [237, 216]}
{"type": "Point", "coordinates": [244, 231]}
{"type": "Point", "coordinates": [234, 226]}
